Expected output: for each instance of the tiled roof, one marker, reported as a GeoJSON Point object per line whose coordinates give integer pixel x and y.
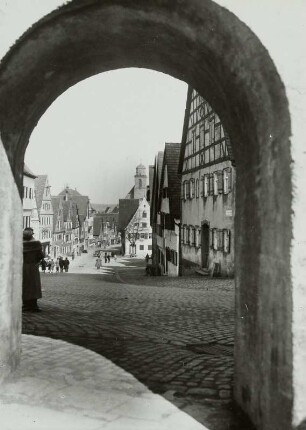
{"type": "Point", "coordinates": [171, 160]}
{"type": "Point", "coordinates": [97, 221]}
{"type": "Point", "coordinates": [82, 204]}
{"type": "Point", "coordinates": [66, 206]}
{"type": "Point", "coordinates": [74, 214]}
{"type": "Point", "coordinates": [130, 194]}
{"type": "Point", "coordinates": [127, 208]}
{"type": "Point", "coordinates": [28, 172]}
{"type": "Point", "coordinates": [39, 184]}
{"type": "Point", "coordinates": [101, 207]}
{"type": "Point", "coordinates": [70, 192]}
{"type": "Point", "coordinates": [55, 205]}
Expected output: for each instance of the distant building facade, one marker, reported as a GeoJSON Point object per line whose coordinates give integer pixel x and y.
{"type": "Point", "coordinates": [208, 176]}
{"type": "Point", "coordinates": [105, 228]}
{"type": "Point", "coordinates": [167, 223]}
{"type": "Point", "coordinates": [138, 232]}
{"type": "Point", "coordinates": [45, 212]}
{"type": "Point", "coordinates": [30, 212]}
{"type": "Point", "coordinates": [154, 207]}
{"type": "Point", "coordinates": [139, 190]}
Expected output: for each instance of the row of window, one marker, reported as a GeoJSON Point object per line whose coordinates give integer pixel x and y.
{"type": "Point", "coordinates": [28, 193]}
{"type": "Point", "coordinates": [212, 154]}
{"type": "Point", "coordinates": [46, 206]}
{"type": "Point", "coordinates": [142, 224]}
{"type": "Point", "coordinates": [46, 234]}
{"type": "Point", "coordinates": [219, 239]}
{"type": "Point", "coordinates": [45, 220]}
{"type": "Point", "coordinates": [171, 256]}
{"type": "Point", "coordinates": [212, 184]}
{"type": "Point", "coordinates": [26, 221]}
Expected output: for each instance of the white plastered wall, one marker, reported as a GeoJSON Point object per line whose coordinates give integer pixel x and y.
{"type": "Point", "coordinates": [10, 268]}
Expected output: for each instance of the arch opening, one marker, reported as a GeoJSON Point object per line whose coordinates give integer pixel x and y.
{"type": "Point", "coordinates": [210, 49]}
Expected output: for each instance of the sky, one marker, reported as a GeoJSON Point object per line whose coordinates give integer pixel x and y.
{"type": "Point", "coordinates": [96, 133]}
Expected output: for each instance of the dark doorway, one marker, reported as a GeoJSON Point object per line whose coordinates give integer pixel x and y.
{"type": "Point", "coordinates": [205, 245]}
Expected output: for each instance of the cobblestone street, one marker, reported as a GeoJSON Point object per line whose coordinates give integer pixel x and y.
{"type": "Point", "coordinates": [173, 335]}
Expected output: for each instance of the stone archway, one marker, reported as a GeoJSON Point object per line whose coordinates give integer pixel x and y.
{"type": "Point", "coordinates": [205, 45]}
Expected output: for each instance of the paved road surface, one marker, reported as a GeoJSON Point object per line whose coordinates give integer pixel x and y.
{"type": "Point", "coordinates": [174, 335]}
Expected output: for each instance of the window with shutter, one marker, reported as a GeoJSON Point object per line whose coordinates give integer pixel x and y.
{"type": "Point", "coordinates": [220, 240]}
{"type": "Point", "coordinates": [211, 184]}
{"type": "Point", "coordinates": [197, 188]}
{"type": "Point", "coordinates": [206, 185]}
{"type": "Point", "coordinates": [215, 239]}
{"type": "Point", "coordinates": [220, 181]}
{"type": "Point", "coordinates": [215, 183]}
{"type": "Point", "coordinates": [202, 186]}
{"type": "Point", "coordinates": [229, 170]}
{"type": "Point", "coordinates": [226, 241]}
{"type": "Point", "coordinates": [187, 189]}
{"type": "Point", "coordinates": [191, 188]}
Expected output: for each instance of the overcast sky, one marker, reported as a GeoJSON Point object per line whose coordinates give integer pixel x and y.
{"type": "Point", "coordinates": [95, 134]}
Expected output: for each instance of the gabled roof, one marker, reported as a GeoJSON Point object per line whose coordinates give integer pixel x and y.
{"type": "Point", "coordinates": [82, 204]}
{"type": "Point", "coordinates": [127, 208]}
{"type": "Point", "coordinates": [155, 188]}
{"type": "Point", "coordinates": [97, 221]}
{"type": "Point", "coordinates": [56, 203]}
{"type": "Point", "coordinates": [66, 207]}
{"type": "Point", "coordinates": [70, 192]}
{"type": "Point", "coordinates": [185, 128]}
{"type": "Point", "coordinates": [130, 194]}
{"type": "Point", "coordinates": [28, 172]}
{"type": "Point", "coordinates": [185, 132]}
{"type": "Point", "coordinates": [74, 215]}
{"type": "Point", "coordinates": [171, 160]}
{"type": "Point", "coordinates": [39, 184]}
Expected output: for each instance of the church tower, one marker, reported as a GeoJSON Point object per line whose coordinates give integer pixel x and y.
{"type": "Point", "coordinates": [140, 190]}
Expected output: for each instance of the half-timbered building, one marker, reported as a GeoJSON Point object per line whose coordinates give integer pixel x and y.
{"type": "Point", "coordinates": [207, 191]}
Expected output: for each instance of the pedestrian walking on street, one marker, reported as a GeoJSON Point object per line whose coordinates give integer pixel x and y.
{"type": "Point", "coordinates": [43, 265]}
{"type": "Point", "coordinates": [72, 256]}
{"type": "Point", "coordinates": [57, 266]}
{"type": "Point", "coordinates": [51, 266]}
{"type": "Point", "coordinates": [105, 257]}
{"type": "Point", "coordinates": [108, 258]}
{"type": "Point", "coordinates": [61, 264]}
{"type": "Point", "coordinates": [98, 263]}
{"type": "Point", "coordinates": [31, 284]}
{"type": "Point", "coordinates": [147, 258]}
{"type": "Point", "coordinates": [66, 264]}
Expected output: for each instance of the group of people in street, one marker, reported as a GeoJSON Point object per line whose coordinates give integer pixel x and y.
{"type": "Point", "coordinates": [107, 259]}
{"type": "Point", "coordinates": [33, 258]}
{"type": "Point", "coordinates": [60, 265]}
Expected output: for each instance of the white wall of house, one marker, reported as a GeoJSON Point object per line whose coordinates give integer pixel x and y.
{"type": "Point", "coordinates": [139, 225]}
{"type": "Point", "coordinates": [218, 211]}
{"type": "Point", "coordinates": [30, 213]}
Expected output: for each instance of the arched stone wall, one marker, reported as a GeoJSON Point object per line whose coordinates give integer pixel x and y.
{"type": "Point", "coordinates": [208, 47]}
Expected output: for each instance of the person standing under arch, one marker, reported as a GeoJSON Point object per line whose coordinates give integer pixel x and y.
{"type": "Point", "coordinates": [31, 284]}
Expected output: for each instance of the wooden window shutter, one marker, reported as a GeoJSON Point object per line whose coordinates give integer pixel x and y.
{"type": "Point", "coordinates": [187, 189]}
{"type": "Point", "coordinates": [229, 171]}
{"type": "Point", "coordinates": [220, 181]}
{"type": "Point", "coordinates": [211, 185]}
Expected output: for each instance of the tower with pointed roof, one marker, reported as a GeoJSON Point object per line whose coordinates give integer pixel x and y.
{"type": "Point", "coordinates": [141, 179]}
